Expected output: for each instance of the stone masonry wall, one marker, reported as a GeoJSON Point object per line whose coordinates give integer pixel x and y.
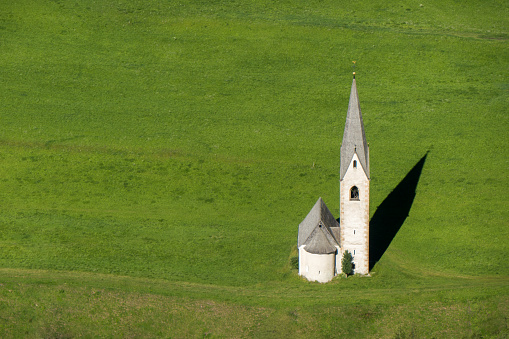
{"type": "Point", "coordinates": [354, 216]}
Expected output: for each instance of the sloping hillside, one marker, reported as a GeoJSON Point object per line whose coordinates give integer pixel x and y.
{"type": "Point", "coordinates": [157, 153]}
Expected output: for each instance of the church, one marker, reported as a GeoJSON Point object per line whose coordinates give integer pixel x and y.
{"type": "Point", "coordinates": [322, 240]}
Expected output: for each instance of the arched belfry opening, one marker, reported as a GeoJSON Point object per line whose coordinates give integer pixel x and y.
{"type": "Point", "coordinates": [354, 193]}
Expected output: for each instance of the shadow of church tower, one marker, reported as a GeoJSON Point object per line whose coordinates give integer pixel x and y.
{"type": "Point", "coordinates": [392, 213]}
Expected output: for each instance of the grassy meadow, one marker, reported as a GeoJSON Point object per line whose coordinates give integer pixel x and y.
{"type": "Point", "coordinates": [156, 158]}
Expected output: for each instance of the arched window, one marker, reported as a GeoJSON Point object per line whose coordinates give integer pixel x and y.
{"type": "Point", "coordinates": [355, 164]}
{"type": "Point", "coordinates": [354, 193]}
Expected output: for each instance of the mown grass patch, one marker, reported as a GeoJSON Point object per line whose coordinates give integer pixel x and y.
{"type": "Point", "coordinates": [39, 303]}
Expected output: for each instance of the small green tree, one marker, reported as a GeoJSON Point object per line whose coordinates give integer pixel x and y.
{"type": "Point", "coordinates": [346, 263]}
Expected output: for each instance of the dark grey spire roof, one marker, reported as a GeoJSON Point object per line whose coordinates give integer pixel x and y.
{"type": "Point", "coordinates": [354, 138]}
{"type": "Point", "coordinates": [316, 231]}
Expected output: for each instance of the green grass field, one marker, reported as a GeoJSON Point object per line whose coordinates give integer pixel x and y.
{"type": "Point", "coordinates": [156, 158]}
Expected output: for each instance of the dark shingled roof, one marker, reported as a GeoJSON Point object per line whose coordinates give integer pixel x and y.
{"type": "Point", "coordinates": [320, 241]}
{"type": "Point", "coordinates": [354, 138]}
{"type": "Point", "coordinates": [317, 231]}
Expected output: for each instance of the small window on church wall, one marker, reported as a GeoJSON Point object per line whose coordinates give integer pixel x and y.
{"type": "Point", "coordinates": [354, 193]}
{"type": "Point", "coordinates": [353, 252]}
{"type": "Point", "coordinates": [355, 164]}
{"type": "Point", "coordinates": [354, 232]}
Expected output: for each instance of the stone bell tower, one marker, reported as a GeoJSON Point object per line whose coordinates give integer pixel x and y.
{"type": "Point", "coordinates": [354, 187]}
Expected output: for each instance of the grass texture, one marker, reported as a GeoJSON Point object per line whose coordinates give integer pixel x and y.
{"type": "Point", "coordinates": [156, 158]}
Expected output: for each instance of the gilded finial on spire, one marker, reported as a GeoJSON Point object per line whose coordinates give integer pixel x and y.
{"type": "Point", "coordinates": [353, 67]}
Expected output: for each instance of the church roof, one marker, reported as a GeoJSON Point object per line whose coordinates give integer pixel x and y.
{"type": "Point", "coordinates": [317, 231]}
{"type": "Point", "coordinates": [354, 138]}
{"type": "Point", "coordinates": [320, 241]}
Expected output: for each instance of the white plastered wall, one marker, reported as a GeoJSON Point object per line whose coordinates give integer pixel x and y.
{"type": "Point", "coordinates": [354, 216]}
{"type": "Point", "coordinates": [316, 267]}
{"type": "Point", "coordinates": [338, 260]}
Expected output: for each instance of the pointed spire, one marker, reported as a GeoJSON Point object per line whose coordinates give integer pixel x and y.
{"type": "Point", "coordinates": [354, 138]}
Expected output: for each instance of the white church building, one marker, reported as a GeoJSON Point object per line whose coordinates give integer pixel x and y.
{"type": "Point", "coordinates": [322, 240]}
